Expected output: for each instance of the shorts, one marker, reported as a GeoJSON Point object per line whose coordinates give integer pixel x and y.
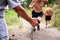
{"type": "Point", "coordinates": [47, 18]}
{"type": "Point", "coordinates": [35, 14]}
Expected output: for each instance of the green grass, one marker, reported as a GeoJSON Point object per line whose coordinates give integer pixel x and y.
{"type": "Point", "coordinates": [56, 21]}
{"type": "Point", "coordinates": [11, 17]}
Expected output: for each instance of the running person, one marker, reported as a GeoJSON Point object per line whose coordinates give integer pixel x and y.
{"type": "Point", "coordinates": [48, 15]}
{"type": "Point", "coordinates": [37, 11]}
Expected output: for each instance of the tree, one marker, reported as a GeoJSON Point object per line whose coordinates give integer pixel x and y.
{"type": "Point", "coordinates": [52, 1]}
{"type": "Point", "coordinates": [28, 2]}
{"type": "Point", "coordinates": [25, 3]}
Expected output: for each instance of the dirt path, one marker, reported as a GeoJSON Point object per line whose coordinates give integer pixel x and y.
{"type": "Point", "coordinates": [24, 33]}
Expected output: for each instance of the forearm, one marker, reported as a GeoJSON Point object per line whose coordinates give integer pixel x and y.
{"type": "Point", "coordinates": [21, 12]}
{"type": "Point", "coordinates": [31, 6]}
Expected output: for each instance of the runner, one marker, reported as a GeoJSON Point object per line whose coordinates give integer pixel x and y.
{"type": "Point", "coordinates": [48, 15]}
{"type": "Point", "coordinates": [37, 11]}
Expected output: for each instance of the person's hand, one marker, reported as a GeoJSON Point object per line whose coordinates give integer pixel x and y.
{"type": "Point", "coordinates": [35, 22]}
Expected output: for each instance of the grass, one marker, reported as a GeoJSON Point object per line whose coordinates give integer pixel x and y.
{"type": "Point", "coordinates": [11, 18]}
{"type": "Point", "coordinates": [56, 21]}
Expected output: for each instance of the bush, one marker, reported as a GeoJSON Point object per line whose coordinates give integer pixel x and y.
{"type": "Point", "coordinates": [56, 22]}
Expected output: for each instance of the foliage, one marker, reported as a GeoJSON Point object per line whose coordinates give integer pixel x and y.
{"type": "Point", "coordinates": [28, 2]}
{"type": "Point", "coordinates": [52, 1]}
{"type": "Point", "coordinates": [25, 3]}
{"type": "Point", "coordinates": [56, 22]}
{"type": "Point", "coordinates": [11, 18]}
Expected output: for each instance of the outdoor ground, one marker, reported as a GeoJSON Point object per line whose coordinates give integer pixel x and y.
{"type": "Point", "coordinates": [24, 32]}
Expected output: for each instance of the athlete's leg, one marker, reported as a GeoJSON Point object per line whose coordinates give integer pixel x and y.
{"type": "Point", "coordinates": [48, 19]}
{"type": "Point", "coordinates": [34, 15]}
{"type": "Point", "coordinates": [39, 20]}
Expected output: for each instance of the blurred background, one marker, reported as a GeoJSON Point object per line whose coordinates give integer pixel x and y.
{"type": "Point", "coordinates": [12, 18]}
{"type": "Point", "coordinates": [19, 29]}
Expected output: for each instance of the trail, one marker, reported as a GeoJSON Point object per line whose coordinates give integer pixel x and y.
{"type": "Point", "coordinates": [24, 33]}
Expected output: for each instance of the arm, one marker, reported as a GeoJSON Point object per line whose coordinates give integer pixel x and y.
{"type": "Point", "coordinates": [52, 11]}
{"type": "Point", "coordinates": [46, 2]}
{"type": "Point", "coordinates": [31, 4]}
{"type": "Point", "coordinates": [21, 12]}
